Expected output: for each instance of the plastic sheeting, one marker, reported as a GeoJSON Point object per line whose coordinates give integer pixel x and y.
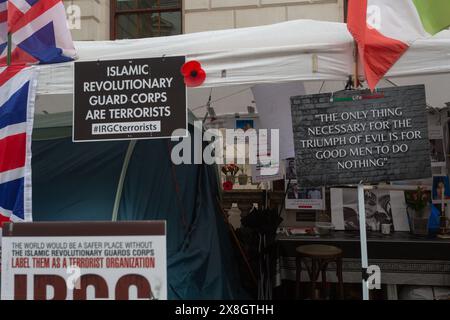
{"type": "Point", "coordinates": [300, 50]}
{"type": "Point", "coordinates": [79, 182]}
{"type": "Point", "coordinates": [186, 196]}
{"type": "Point", "coordinates": [74, 182]}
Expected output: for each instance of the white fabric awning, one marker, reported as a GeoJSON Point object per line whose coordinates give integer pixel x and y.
{"type": "Point", "coordinates": [295, 50]}
{"type": "Point", "coordinates": [300, 50]}
{"type": "Point", "coordinates": [237, 59]}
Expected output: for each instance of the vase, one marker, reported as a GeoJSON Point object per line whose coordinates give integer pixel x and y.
{"type": "Point", "coordinates": [243, 179]}
{"type": "Point", "coordinates": [419, 219]}
{"type": "Point", "coordinates": [234, 216]}
{"type": "Point", "coordinates": [231, 178]}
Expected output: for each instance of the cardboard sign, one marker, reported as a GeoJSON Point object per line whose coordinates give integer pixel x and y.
{"type": "Point", "coordinates": [129, 99]}
{"type": "Point", "coordinates": [354, 136]}
{"type": "Point", "coordinates": [84, 261]}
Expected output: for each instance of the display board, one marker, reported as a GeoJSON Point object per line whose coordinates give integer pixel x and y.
{"type": "Point", "coordinates": [129, 99]}
{"type": "Point", "coordinates": [353, 136]}
{"type": "Point", "coordinates": [84, 261]}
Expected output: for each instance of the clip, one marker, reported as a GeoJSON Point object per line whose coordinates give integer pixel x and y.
{"type": "Point", "coordinates": [365, 275]}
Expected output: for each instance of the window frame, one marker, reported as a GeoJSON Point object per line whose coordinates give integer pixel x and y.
{"type": "Point", "coordinates": [345, 10]}
{"type": "Point", "coordinates": [114, 14]}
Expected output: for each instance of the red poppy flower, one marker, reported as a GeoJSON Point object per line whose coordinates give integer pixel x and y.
{"type": "Point", "coordinates": [227, 185]}
{"type": "Point", "coordinates": [193, 73]}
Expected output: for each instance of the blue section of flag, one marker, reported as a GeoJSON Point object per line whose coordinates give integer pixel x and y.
{"type": "Point", "coordinates": [41, 45]}
{"type": "Point", "coordinates": [11, 197]}
{"type": "Point", "coordinates": [14, 111]}
{"type": "Point", "coordinates": [32, 2]}
{"type": "Point", "coordinates": [3, 46]}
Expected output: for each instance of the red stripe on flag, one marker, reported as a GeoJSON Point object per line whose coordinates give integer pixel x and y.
{"type": "Point", "coordinates": [12, 152]}
{"type": "Point", "coordinates": [3, 16]}
{"type": "Point", "coordinates": [380, 55]}
{"type": "Point", "coordinates": [19, 57]}
{"type": "Point", "coordinates": [36, 10]}
{"type": "Point", "coordinates": [9, 72]}
{"type": "Point", "coordinates": [357, 19]}
{"type": "Point", "coordinates": [377, 52]}
{"type": "Point", "coordinates": [14, 14]}
{"type": "Point", "coordinates": [3, 220]}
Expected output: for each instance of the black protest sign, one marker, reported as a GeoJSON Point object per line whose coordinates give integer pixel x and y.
{"type": "Point", "coordinates": [353, 136]}
{"type": "Point", "coordinates": [129, 99]}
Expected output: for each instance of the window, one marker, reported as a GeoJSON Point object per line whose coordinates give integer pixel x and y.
{"type": "Point", "coordinates": [131, 19]}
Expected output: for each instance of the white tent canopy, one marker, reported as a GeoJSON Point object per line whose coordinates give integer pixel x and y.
{"type": "Point", "coordinates": [274, 53]}
{"type": "Point", "coordinates": [301, 50]}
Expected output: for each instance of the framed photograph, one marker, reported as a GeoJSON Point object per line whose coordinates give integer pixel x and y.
{"type": "Point", "coordinates": [382, 207]}
{"type": "Point", "coordinates": [441, 189]}
{"type": "Point", "coordinates": [291, 174]}
{"type": "Point", "coordinates": [298, 198]}
{"type": "Point", "coordinates": [437, 144]}
{"type": "Point", "coordinates": [245, 124]}
{"type": "Point", "coordinates": [266, 170]}
{"type": "Point", "coordinates": [437, 153]}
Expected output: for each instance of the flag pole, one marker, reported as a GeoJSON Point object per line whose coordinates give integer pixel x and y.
{"type": "Point", "coordinates": [9, 44]}
{"type": "Point", "coordinates": [361, 204]}
{"type": "Point", "coordinates": [363, 240]}
{"type": "Point", "coordinates": [356, 67]}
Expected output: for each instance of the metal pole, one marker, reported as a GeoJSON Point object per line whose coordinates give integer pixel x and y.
{"type": "Point", "coordinates": [123, 174]}
{"type": "Point", "coordinates": [363, 240]}
{"type": "Point", "coordinates": [8, 57]}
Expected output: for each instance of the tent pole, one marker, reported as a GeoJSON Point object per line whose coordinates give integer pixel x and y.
{"type": "Point", "coordinates": [123, 174]}
{"type": "Point", "coordinates": [363, 240]}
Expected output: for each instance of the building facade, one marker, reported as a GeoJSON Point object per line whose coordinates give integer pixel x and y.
{"type": "Point", "coordinates": [128, 19]}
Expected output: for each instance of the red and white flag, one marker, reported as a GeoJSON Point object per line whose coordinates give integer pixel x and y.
{"type": "Point", "coordinates": [385, 29]}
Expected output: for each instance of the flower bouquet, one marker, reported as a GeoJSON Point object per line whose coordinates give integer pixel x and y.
{"type": "Point", "coordinates": [419, 210]}
{"type": "Point", "coordinates": [230, 171]}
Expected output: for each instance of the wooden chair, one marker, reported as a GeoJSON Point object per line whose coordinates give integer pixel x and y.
{"type": "Point", "coordinates": [320, 256]}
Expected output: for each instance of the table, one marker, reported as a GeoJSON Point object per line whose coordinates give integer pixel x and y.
{"type": "Point", "coordinates": [246, 198]}
{"type": "Point", "coordinates": [402, 258]}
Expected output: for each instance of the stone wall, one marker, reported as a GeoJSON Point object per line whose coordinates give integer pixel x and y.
{"type": "Point", "coordinates": [203, 15]}
{"type": "Point", "coordinates": [94, 20]}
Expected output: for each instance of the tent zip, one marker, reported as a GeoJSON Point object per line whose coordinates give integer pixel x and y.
{"type": "Point", "coordinates": [123, 175]}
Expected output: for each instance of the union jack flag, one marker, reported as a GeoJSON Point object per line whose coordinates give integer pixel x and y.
{"type": "Point", "coordinates": [39, 35]}
{"type": "Point", "coordinates": [39, 32]}
{"type": "Point", "coordinates": [17, 92]}
{"type": "Point", "coordinates": [3, 26]}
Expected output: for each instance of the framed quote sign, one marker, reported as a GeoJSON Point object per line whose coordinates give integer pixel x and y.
{"type": "Point", "coordinates": [353, 136]}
